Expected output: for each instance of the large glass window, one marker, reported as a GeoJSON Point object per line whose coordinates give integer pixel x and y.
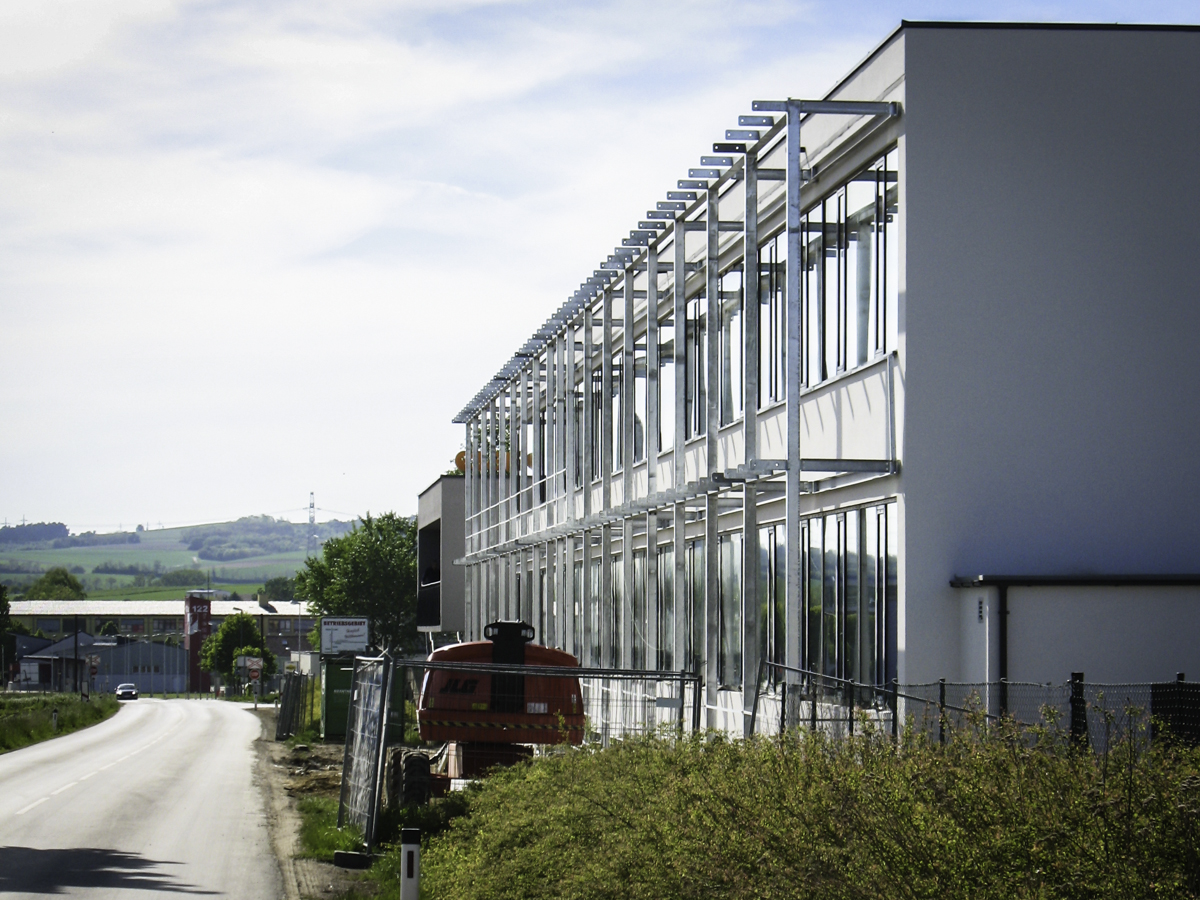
{"type": "Point", "coordinates": [695, 598]}
{"type": "Point", "coordinates": [594, 652]}
{"type": "Point", "coordinates": [850, 273]}
{"type": "Point", "coordinates": [732, 346]}
{"type": "Point", "coordinates": [637, 602]}
{"type": "Point", "coordinates": [729, 644]}
{"type": "Point", "coordinates": [618, 429]}
{"type": "Point", "coordinates": [617, 574]}
{"type": "Point", "coordinates": [666, 607]}
{"type": "Point", "coordinates": [577, 610]}
{"type": "Point", "coordinates": [666, 384]}
{"type": "Point", "coordinates": [597, 419]}
{"type": "Point", "coordinates": [772, 593]}
{"type": "Point", "coordinates": [850, 593]}
{"type": "Point", "coordinates": [640, 412]}
{"type": "Point", "coordinates": [695, 366]}
{"type": "Point", "coordinates": [772, 321]}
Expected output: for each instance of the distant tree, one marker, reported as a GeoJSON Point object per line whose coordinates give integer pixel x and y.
{"type": "Point", "coordinates": [56, 584]}
{"type": "Point", "coordinates": [5, 621]}
{"type": "Point", "coordinates": [280, 590]}
{"type": "Point", "coordinates": [369, 571]}
{"type": "Point", "coordinates": [182, 578]}
{"type": "Point", "coordinates": [235, 597]}
{"type": "Point", "coordinates": [110, 628]}
{"type": "Point", "coordinates": [28, 534]}
{"type": "Point", "coordinates": [238, 634]}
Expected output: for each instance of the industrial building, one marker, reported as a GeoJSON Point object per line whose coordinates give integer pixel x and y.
{"type": "Point", "coordinates": [150, 622]}
{"type": "Point", "coordinates": [896, 383]}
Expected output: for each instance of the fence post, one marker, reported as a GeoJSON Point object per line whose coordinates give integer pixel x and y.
{"type": "Point", "coordinates": [696, 699]}
{"type": "Point", "coordinates": [403, 701]}
{"type": "Point", "coordinates": [848, 690]}
{"type": "Point", "coordinates": [812, 697]}
{"type": "Point", "coordinates": [757, 692]}
{"type": "Point", "coordinates": [350, 725]}
{"type": "Point", "coordinates": [895, 709]}
{"type": "Point", "coordinates": [1078, 711]}
{"type": "Point", "coordinates": [941, 710]}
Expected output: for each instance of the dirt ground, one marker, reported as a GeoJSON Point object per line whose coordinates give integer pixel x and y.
{"type": "Point", "coordinates": [285, 776]}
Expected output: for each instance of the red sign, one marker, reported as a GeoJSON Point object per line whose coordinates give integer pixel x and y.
{"type": "Point", "coordinates": [254, 674]}
{"type": "Point", "coordinates": [95, 670]}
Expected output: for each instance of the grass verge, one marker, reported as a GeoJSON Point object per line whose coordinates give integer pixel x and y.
{"type": "Point", "coordinates": [319, 835]}
{"type": "Point", "coordinates": [996, 812]}
{"type": "Point", "coordinates": [29, 718]}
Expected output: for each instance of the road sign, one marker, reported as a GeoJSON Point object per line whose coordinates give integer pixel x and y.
{"type": "Point", "coordinates": [254, 674]}
{"type": "Point", "coordinates": [95, 670]}
{"type": "Point", "coordinates": [343, 635]}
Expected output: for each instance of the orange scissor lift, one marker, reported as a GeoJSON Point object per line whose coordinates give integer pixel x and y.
{"type": "Point", "coordinates": [476, 698]}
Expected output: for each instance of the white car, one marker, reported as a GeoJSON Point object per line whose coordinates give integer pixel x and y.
{"type": "Point", "coordinates": [127, 692]}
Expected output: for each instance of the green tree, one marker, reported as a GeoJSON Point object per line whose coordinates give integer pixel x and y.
{"type": "Point", "coordinates": [369, 571]}
{"type": "Point", "coordinates": [238, 635]}
{"type": "Point", "coordinates": [280, 590]}
{"type": "Point", "coordinates": [110, 628]}
{"type": "Point", "coordinates": [56, 584]}
{"type": "Point", "coordinates": [5, 621]}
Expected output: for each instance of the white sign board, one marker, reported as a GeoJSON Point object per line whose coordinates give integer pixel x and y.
{"type": "Point", "coordinates": [343, 635]}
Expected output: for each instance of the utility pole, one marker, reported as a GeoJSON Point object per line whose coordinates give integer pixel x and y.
{"type": "Point", "coordinates": [312, 525]}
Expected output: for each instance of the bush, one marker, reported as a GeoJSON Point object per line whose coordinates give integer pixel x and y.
{"type": "Point", "coordinates": [995, 813]}
{"type": "Point", "coordinates": [183, 578]}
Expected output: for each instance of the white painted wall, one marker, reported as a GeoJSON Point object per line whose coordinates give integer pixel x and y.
{"type": "Point", "coordinates": [1049, 314]}
{"type": "Point", "coordinates": [1109, 634]}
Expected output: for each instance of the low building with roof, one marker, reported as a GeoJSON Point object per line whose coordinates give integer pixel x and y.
{"type": "Point", "coordinates": [285, 625]}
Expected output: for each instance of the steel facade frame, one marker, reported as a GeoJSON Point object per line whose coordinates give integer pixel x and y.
{"type": "Point", "coordinates": [544, 514]}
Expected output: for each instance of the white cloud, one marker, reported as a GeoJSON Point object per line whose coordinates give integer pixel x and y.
{"type": "Point", "coordinates": [251, 250]}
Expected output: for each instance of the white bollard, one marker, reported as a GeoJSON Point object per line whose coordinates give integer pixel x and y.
{"type": "Point", "coordinates": [410, 848]}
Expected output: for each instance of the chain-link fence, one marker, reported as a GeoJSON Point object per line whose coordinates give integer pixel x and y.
{"type": "Point", "coordinates": [297, 699]}
{"type": "Point", "coordinates": [1092, 714]}
{"type": "Point", "coordinates": [366, 728]}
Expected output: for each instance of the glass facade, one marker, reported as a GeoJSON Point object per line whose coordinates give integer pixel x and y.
{"type": "Point", "coordinates": [732, 343]}
{"type": "Point", "coordinates": [729, 640]}
{"type": "Point", "coordinates": [630, 609]}
{"type": "Point", "coordinates": [850, 593]}
{"type": "Point", "coordinates": [850, 273]}
{"type": "Point", "coordinates": [666, 384]}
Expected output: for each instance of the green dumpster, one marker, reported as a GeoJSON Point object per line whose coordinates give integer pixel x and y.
{"type": "Point", "coordinates": [337, 678]}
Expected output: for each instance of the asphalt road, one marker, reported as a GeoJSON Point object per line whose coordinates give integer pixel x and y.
{"type": "Point", "coordinates": [159, 800]}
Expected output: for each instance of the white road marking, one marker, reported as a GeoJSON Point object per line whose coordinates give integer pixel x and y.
{"type": "Point", "coordinates": [21, 812]}
{"type": "Point", "coordinates": [87, 776]}
{"type": "Point", "coordinates": [63, 788]}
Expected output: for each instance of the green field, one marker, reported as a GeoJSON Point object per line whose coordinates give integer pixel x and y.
{"type": "Point", "coordinates": [267, 549]}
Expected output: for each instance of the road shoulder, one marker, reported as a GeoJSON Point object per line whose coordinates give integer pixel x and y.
{"type": "Point", "coordinates": [283, 778]}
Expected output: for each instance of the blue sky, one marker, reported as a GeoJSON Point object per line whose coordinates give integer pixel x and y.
{"type": "Point", "coordinates": [252, 250]}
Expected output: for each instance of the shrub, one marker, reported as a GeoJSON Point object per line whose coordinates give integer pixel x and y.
{"type": "Point", "coordinates": [28, 718]}
{"type": "Point", "coordinates": [995, 813]}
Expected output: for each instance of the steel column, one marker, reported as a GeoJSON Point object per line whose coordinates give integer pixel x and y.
{"type": "Point", "coordinates": [794, 587]}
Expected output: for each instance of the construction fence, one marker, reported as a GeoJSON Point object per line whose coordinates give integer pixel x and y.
{"type": "Point", "coordinates": [491, 714]}
{"type": "Point", "coordinates": [298, 698]}
{"type": "Point", "coordinates": [365, 754]}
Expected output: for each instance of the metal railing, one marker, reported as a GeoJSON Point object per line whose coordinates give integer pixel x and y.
{"type": "Point", "coordinates": [1093, 714]}
{"type": "Point", "coordinates": [615, 703]}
